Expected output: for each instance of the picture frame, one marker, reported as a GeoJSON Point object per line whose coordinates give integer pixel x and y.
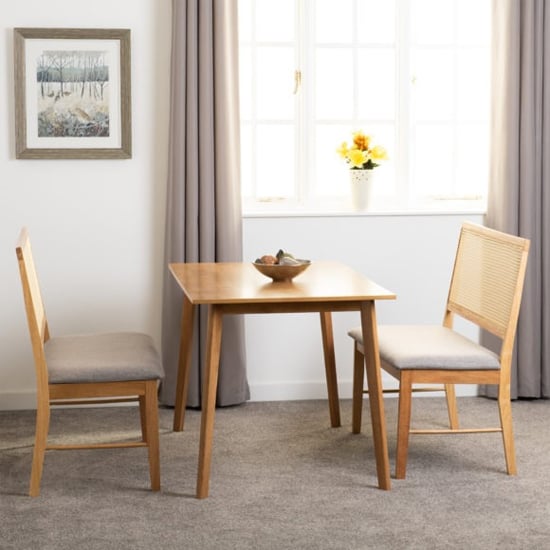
{"type": "Point", "coordinates": [72, 93]}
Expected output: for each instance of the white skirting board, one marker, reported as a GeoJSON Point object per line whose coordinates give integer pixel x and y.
{"type": "Point", "coordinates": [258, 392]}
{"type": "Point", "coordinates": [318, 390]}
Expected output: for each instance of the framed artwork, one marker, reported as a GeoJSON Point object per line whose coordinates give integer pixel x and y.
{"type": "Point", "coordinates": [72, 93]}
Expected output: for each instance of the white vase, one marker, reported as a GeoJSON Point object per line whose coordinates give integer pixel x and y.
{"type": "Point", "coordinates": [361, 182]}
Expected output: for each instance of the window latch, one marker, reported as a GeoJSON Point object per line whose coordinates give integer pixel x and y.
{"type": "Point", "coordinates": [297, 81]}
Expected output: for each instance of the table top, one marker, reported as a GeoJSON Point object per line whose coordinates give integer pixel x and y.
{"type": "Point", "coordinates": [241, 283]}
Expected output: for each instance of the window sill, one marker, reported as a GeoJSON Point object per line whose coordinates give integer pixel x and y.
{"type": "Point", "coordinates": [435, 208]}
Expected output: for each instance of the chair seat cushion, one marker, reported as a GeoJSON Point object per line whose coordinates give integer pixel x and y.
{"type": "Point", "coordinates": [107, 357]}
{"type": "Point", "coordinates": [429, 347]}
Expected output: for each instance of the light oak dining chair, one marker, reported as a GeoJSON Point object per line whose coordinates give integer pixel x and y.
{"type": "Point", "coordinates": [485, 289]}
{"type": "Point", "coordinates": [88, 369]}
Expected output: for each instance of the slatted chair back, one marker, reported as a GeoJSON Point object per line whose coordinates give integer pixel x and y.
{"type": "Point", "coordinates": [487, 279]}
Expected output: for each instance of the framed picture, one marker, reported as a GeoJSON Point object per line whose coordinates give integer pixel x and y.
{"type": "Point", "coordinates": [72, 93]}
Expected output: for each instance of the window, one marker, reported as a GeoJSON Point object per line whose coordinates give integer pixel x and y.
{"type": "Point", "coordinates": [414, 74]}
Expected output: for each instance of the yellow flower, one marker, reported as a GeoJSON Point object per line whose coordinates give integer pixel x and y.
{"type": "Point", "coordinates": [357, 158]}
{"type": "Point", "coordinates": [378, 153]}
{"type": "Point", "coordinates": [362, 154]}
{"type": "Point", "coordinates": [361, 141]}
{"type": "Point", "coordinates": [343, 150]}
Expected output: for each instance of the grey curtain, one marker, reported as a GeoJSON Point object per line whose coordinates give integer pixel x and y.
{"type": "Point", "coordinates": [519, 194]}
{"type": "Point", "coordinates": [203, 206]}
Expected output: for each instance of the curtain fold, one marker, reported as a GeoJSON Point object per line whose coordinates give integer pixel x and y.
{"type": "Point", "coordinates": [519, 196]}
{"type": "Point", "coordinates": [203, 204]}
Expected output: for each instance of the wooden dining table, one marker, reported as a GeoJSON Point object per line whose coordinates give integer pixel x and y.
{"type": "Point", "coordinates": [238, 288]}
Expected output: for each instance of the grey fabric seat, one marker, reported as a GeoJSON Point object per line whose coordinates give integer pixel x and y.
{"type": "Point", "coordinates": [103, 357]}
{"type": "Point", "coordinates": [429, 347]}
{"type": "Point", "coordinates": [485, 289]}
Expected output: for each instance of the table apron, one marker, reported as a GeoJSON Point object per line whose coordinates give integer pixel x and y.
{"type": "Point", "coordinates": [291, 307]}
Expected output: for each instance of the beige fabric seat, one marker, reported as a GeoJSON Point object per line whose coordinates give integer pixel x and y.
{"type": "Point", "coordinates": [486, 287]}
{"type": "Point", "coordinates": [88, 369]}
{"type": "Point", "coordinates": [429, 347]}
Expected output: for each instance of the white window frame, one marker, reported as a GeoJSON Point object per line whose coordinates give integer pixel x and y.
{"type": "Point", "coordinates": [404, 198]}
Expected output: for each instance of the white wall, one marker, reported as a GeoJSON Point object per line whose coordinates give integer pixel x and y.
{"type": "Point", "coordinates": [97, 230]}
{"type": "Point", "coordinates": [96, 226]}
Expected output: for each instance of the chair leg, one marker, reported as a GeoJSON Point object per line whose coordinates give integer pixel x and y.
{"type": "Point", "coordinates": [451, 406]}
{"type": "Point", "coordinates": [143, 417]}
{"type": "Point", "coordinates": [403, 425]}
{"type": "Point", "coordinates": [40, 440]}
{"type": "Point", "coordinates": [358, 381]}
{"type": "Point", "coordinates": [505, 411]}
{"type": "Point", "coordinates": [152, 432]}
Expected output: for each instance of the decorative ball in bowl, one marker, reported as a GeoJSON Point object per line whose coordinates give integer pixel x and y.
{"type": "Point", "coordinates": [281, 267]}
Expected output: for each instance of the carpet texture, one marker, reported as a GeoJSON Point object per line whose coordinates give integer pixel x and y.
{"type": "Point", "coordinates": [281, 479]}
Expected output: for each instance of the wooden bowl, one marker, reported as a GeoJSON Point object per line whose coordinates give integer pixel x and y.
{"type": "Point", "coordinates": [283, 272]}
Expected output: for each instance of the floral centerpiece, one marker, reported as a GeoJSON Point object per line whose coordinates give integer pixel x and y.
{"type": "Point", "coordinates": [363, 157]}
{"type": "Point", "coordinates": [362, 154]}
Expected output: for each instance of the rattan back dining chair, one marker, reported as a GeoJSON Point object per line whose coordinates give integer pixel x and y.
{"type": "Point", "coordinates": [485, 289]}
{"type": "Point", "coordinates": [88, 369]}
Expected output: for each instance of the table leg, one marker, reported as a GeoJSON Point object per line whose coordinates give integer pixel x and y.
{"type": "Point", "coordinates": [374, 382]}
{"type": "Point", "coordinates": [208, 408]}
{"type": "Point", "coordinates": [358, 385]}
{"type": "Point", "coordinates": [184, 362]}
{"type": "Point", "coordinates": [330, 368]}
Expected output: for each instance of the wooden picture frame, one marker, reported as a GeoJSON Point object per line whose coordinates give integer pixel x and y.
{"type": "Point", "coordinates": [72, 93]}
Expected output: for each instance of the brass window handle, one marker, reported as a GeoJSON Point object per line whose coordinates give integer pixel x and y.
{"type": "Point", "coordinates": [297, 81]}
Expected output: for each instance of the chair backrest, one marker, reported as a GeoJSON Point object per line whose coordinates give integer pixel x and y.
{"type": "Point", "coordinates": [36, 315]}
{"type": "Point", "coordinates": [487, 280]}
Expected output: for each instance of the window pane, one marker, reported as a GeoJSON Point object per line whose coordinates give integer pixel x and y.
{"type": "Point", "coordinates": [245, 82]}
{"type": "Point", "coordinates": [275, 20]}
{"type": "Point", "coordinates": [433, 89]}
{"type": "Point", "coordinates": [472, 159]}
{"type": "Point", "coordinates": [432, 21]}
{"type": "Point", "coordinates": [275, 83]}
{"type": "Point", "coordinates": [376, 21]}
{"type": "Point", "coordinates": [333, 23]}
{"type": "Point", "coordinates": [245, 20]}
{"type": "Point", "coordinates": [473, 78]}
{"type": "Point", "coordinates": [330, 173]}
{"type": "Point", "coordinates": [432, 159]}
{"type": "Point", "coordinates": [474, 29]}
{"type": "Point", "coordinates": [334, 83]}
{"type": "Point", "coordinates": [275, 160]}
{"type": "Point", "coordinates": [376, 84]}
{"type": "Point", "coordinates": [247, 189]}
